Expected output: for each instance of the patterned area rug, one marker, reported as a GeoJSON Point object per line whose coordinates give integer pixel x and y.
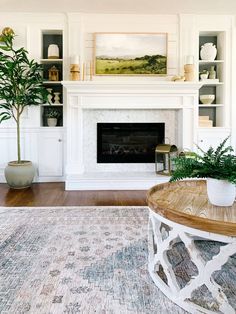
{"type": "Point", "coordinates": [87, 260]}
{"type": "Point", "coordinates": [77, 260]}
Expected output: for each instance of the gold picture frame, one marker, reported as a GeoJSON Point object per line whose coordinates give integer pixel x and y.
{"type": "Point", "coordinates": [130, 54]}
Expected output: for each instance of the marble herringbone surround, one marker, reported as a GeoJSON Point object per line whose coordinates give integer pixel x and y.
{"type": "Point", "coordinates": [92, 117]}
{"type": "Point", "coordinates": [84, 260]}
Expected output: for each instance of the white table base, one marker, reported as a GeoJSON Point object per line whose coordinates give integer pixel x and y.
{"type": "Point", "coordinates": [163, 234]}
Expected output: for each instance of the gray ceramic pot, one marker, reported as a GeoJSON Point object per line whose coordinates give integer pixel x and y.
{"type": "Point", "coordinates": [19, 176]}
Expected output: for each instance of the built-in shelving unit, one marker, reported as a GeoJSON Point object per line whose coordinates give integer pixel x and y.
{"type": "Point", "coordinates": [215, 111]}
{"type": "Point", "coordinates": [52, 75]}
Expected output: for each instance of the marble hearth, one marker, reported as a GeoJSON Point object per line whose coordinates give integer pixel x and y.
{"type": "Point", "coordinates": [88, 103]}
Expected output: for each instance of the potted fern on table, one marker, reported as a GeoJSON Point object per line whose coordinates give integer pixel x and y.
{"type": "Point", "coordinates": [217, 166]}
{"type": "Point", "coordinates": [21, 85]}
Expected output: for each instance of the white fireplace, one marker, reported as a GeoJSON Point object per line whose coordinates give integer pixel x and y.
{"type": "Point", "coordinates": [89, 103]}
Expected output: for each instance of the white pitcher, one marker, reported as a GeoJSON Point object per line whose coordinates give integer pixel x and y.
{"type": "Point", "coordinates": [208, 52]}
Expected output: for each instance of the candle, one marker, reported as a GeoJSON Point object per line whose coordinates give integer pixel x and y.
{"type": "Point", "coordinates": [75, 59]}
{"type": "Point", "coordinates": [83, 71]}
{"type": "Point", "coordinates": [91, 70]}
{"type": "Point", "coordinates": [189, 60]}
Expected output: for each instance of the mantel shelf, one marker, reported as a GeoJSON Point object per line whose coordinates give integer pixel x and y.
{"type": "Point", "coordinates": [133, 86]}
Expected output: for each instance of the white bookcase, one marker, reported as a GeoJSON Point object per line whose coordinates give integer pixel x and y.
{"type": "Point", "coordinates": [216, 110]}
{"type": "Point", "coordinates": [48, 37]}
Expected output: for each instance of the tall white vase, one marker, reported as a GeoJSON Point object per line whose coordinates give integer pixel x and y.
{"type": "Point", "coordinates": [56, 98]}
{"type": "Point", "coordinates": [208, 52]}
{"type": "Point", "coordinates": [221, 192]}
{"type": "Point", "coordinates": [49, 95]}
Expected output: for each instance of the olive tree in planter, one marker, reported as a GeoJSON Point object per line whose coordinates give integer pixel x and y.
{"type": "Point", "coordinates": [20, 86]}
{"type": "Point", "coordinates": [217, 166]}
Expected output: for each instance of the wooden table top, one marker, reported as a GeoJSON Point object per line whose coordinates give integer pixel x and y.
{"type": "Point", "coordinates": [186, 203]}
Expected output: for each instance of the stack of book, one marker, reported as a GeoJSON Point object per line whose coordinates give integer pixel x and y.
{"type": "Point", "coordinates": [205, 122]}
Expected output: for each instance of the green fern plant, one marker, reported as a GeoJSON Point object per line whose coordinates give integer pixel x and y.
{"type": "Point", "coordinates": [217, 164]}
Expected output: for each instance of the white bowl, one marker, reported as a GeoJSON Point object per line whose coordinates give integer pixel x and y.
{"type": "Point", "coordinates": [204, 76]}
{"type": "Point", "coordinates": [207, 99]}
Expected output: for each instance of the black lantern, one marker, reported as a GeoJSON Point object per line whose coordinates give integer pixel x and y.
{"type": "Point", "coordinates": [164, 154]}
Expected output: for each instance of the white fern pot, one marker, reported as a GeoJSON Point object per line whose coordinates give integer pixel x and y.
{"type": "Point", "coordinates": [221, 192]}
{"type": "Point", "coordinates": [208, 52]}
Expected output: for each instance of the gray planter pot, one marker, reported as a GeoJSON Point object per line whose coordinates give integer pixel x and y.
{"type": "Point", "coordinates": [52, 121]}
{"type": "Point", "coordinates": [19, 176]}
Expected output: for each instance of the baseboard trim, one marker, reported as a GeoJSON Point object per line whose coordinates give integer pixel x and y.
{"type": "Point", "coordinates": [114, 181]}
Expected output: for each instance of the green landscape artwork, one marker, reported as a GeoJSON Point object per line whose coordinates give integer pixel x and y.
{"type": "Point", "coordinates": [130, 54]}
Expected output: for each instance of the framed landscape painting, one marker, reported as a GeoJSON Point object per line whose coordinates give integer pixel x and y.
{"type": "Point", "coordinates": [130, 53]}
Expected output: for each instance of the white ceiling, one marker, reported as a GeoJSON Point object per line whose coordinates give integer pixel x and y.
{"type": "Point", "coordinates": [122, 6]}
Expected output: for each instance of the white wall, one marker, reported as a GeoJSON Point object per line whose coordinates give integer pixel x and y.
{"type": "Point", "coordinates": [78, 29]}
{"type": "Point", "coordinates": [122, 6]}
{"type": "Point", "coordinates": [87, 24]}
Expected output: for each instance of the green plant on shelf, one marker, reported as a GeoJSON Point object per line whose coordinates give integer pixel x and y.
{"type": "Point", "coordinates": [52, 113]}
{"type": "Point", "coordinates": [204, 72]}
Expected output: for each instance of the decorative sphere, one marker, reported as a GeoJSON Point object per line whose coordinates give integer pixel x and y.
{"type": "Point", "coordinates": [8, 31]}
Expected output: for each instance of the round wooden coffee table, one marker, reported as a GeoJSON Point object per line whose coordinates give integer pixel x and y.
{"type": "Point", "coordinates": [184, 228]}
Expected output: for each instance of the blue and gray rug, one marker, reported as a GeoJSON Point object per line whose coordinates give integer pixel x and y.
{"type": "Point", "coordinates": [78, 260]}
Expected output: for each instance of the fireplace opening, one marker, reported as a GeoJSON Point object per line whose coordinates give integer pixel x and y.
{"type": "Point", "coordinates": [128, 142]}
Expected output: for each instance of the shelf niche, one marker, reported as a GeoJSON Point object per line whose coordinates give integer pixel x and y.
{"type": "Point", "coordinates": [46, 108]}
{"type": "Point", "coordinates": [52, 37]}
{"type": "Point", "coordinates": [215, 113]}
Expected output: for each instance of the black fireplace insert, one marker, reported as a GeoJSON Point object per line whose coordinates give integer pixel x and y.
{"type": "Point", "coordinates": [128, 142]}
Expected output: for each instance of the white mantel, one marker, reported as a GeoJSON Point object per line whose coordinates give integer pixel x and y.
{"type": "Point", "coordinates": [180, 97]}
{"type": "Point", "coordinates": [131, 86]}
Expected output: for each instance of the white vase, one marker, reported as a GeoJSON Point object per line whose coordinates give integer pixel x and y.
{"type": "Point", "coordinates": [53, 52]}
{"type": "Point", "coordinates": [52, 121]}
{"type": "Point", "coordinates": [56, 98]}
{"type": "Point", "coordinates": [221, 192]}
{"type": "Point", "coordinates": [208, 52]}
{"type": "Point", "coordinates": [49, 95]}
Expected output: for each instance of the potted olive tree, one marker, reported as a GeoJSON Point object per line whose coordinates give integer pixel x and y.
{"type": "Point", "coordinates": [20, 86]}
{"type": "Point", "coordinates": [217, 166]}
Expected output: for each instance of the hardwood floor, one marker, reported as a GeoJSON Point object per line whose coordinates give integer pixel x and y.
{"type": "Point", "coordinates": [53, 194]}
